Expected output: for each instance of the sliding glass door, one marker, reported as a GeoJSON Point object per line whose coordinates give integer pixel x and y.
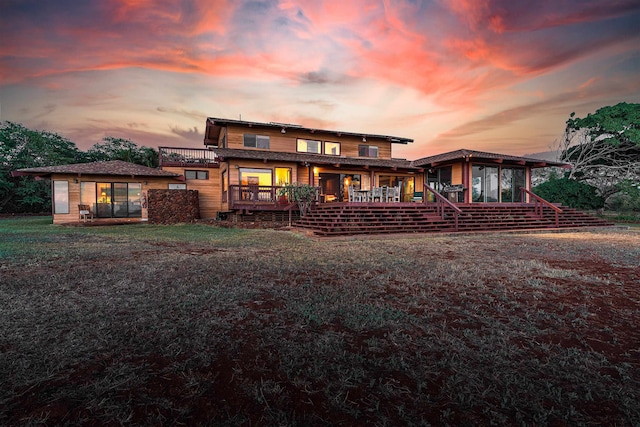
{"type": "Point", "coordinates": [497, 184]}
{"type": "Point", "coordinates": [119, 200]}
{"type": "Point", "coordinates": [485, 184]}
{"type": "Point", "coordinates": [512, 180]}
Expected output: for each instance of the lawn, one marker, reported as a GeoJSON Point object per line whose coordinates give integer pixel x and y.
{"type": "Point", "coordinates": [193, 324]}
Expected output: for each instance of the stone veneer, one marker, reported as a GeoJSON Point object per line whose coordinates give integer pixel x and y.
{"type": "Point", "coordinates": [173, 206]}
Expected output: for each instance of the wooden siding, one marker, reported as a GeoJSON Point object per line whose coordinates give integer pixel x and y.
{"type": "Point", "coordinates": [209, 191]}
{"type": "Point", "coordinates": [456, 173]}
{"type": "Point", "coordinates": [287, 142]}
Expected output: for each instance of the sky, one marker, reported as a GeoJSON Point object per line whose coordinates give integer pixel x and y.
{"type": "Point", "coordinates": [492, 75]}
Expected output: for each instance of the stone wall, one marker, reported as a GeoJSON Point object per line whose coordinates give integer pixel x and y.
{"type": "Point", "coordinates": [173, 206]}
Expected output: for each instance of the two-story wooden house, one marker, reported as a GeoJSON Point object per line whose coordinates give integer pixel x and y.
{"type": "Point", "coordinates": [253, 160]}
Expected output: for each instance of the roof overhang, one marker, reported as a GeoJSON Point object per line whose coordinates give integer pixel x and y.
{"type": "Point", "coordinates": [215, 125]}
{"type": "Point", "coordinates": [228, 154]}
{"type": "Point", "coordinates": [484, 157]}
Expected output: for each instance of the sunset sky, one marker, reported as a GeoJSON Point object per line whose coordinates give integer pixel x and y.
{"type": "Point", "coordinates": [492, 75]}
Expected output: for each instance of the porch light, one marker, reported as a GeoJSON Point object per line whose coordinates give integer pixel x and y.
{"type": "Point", "coordinates": [364, 139]}
{"type": "Point", "coordinates": [283, 130]}
{"type": "Point", "coordinates": [316, 171]}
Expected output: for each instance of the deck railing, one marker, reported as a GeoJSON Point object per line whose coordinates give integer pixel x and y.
{"type": "Point", "coordinates": [442, 204]}
{"type": "Point", "coordinates": [252, 194]}
{"type": "Point", "coordinates": [539, 204]}
{"type": "Point", "coordinates": [175, 156]}
{"type": "Point", "coordinates": [256, 195]}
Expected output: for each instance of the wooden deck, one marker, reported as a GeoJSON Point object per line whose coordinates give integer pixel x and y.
{"type": "Point", "coordinates": [341, 219]}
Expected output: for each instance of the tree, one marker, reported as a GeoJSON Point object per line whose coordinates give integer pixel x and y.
{"type": "Point", "coordinates": [123, 149]}
{"type": "Point", "coordinates": [24, 148]}
{"type": "Point", "coordinates": [604, 147]}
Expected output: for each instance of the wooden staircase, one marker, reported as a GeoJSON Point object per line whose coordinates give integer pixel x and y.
{"type": "Point", "coordinates": [343, 219]}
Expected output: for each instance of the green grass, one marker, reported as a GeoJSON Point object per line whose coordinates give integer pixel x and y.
{"type": "Point", "coordinates": [193, 324]}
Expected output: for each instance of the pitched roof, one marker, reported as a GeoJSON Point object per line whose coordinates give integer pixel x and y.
{"type": "Point", "coordinates": [214, 125]}
{"type": "Point", "coordinates": [224, 154]}
{"type": "Point", "coordinates": [481, 155]}
{"type": "Point", "coordinates": [113, 167]}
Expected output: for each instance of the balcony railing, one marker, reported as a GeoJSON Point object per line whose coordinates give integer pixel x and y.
{"type": "Point", "coordinates": [174, 156]}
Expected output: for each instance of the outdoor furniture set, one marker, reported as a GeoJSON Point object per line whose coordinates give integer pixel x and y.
{"type": "Point", "coordinates": [377, 194]}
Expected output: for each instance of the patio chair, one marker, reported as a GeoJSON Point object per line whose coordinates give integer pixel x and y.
{"type": "Point", "coordinates": [389, 194]}
{"type": "Point", "coordinates": [396, 194]}
{"type": "Point", "coordinates": [376, 194]}
{"type": "Point", "coordinates": [84, 212]}
{"type": "Point", "coordinates": [351, 193]}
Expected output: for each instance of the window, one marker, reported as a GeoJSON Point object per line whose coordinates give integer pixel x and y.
{"type": "Point", "coordinates": [177, 186]}
{"type": "Point", "coordinates": [367, 151]}
{"type": "Point", "coordinates": [188, 174]}
{"type": "Point", "coordinates": [250, 176]}
{"type": "Point", "coordinates": [61, 197]}
{"type": "Point", "coordinates": [283, 176]}
{"type": "Point", "coordinates": [252, 183]}
{"type": "Point", "coordinates": [256, 141]}
{"type": "Point", "coordinates": [309, 146]}
{"type": "Point", "coordinates": [88, 194]}
{"type": "Point", "coordinates": [332, 148]}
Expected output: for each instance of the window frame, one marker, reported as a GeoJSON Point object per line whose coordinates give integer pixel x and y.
{"type": "Point", "coordinates": [248, 137]}
{"type": "Point", "coordinates": [370, 149]}
{"type": "Point", "coordinates": [60, 197]}
{"type": "Point", "coordinates": [288, 172]}
{"type": "Point", "coordinates": [306, 142]}
{"type": "Point", "coordinates": [325, 150]}
{"type": "Point", "coordinates": [197, 174]}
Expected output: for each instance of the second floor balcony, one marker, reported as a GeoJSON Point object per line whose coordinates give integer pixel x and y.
{"type": "Point", "coordinates": [193, 157]}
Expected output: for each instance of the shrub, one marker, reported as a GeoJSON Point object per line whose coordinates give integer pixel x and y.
{"type": "Point", "coordinates": [570, 192]}
{"type": "Point", "coordinates": [627, 199]}
{"type": "Point", "coordinates": [303, 194]}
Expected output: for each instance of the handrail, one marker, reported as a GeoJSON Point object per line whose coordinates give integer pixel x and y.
{"type": "Point", "coordinates": [539, 204]}
{"type": "Point", "coordinates": [443, 203]}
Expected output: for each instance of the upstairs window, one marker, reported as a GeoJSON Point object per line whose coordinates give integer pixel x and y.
{"type": "Point", "coordinates": [367, 151]}
{"type": "Point", "coordinates": [256, 141]}
{"type": "Point", "coordinates": [196, 174]}
{"type": "Point", "coordinates": [309, 146]}
{"type": "Point", "coordinates": [332, 148]}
